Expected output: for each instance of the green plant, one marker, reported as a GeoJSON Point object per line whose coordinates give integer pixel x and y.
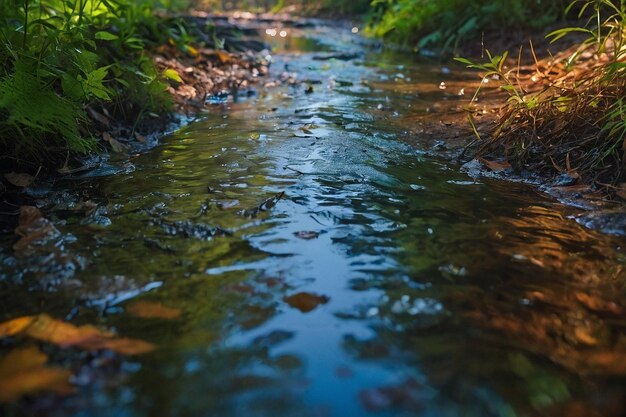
{"type": "Point", "coordinates": [577, 122]}
{"type": "Point", "coordinates": [445, 24]}
{"type": "Point", "coordinates": [60, 58]}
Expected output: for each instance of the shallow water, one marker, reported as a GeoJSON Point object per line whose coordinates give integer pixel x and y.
{"type": "Point", "coordinates": [427, 292]}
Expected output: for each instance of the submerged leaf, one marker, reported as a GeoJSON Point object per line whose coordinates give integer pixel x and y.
{"type": "Point", "coordinates": [152, 309]}
{"type": "Point", "coordinates": [15, 326]}
{"type": "Point", "coordinates": [23, 371]}
{"type": "Point", "coordinates": [63, 334]}
{"type": "Point", "coordinates": [305, 301]}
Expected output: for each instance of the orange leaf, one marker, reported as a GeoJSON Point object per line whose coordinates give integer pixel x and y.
{"type": "Point", "coordinates": [23, 371]}
{"type": "Point", "coordinates": [152, 309]}
{"type": "Point", "coordinates": [47, 329]}
{"type": "Point", "coordinates": [122, 346]}
{"type": "Point", "coordinates": [223, 56]}
{"type": "Point", "coordinates": [15, 326]}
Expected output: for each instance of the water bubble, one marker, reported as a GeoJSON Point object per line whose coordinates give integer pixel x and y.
{"type": "Point", "coordinates": [355, 30]}
{"type": "Point", "coordinates": [372, 312]}
{"type": "Point", "coordinates": [283, 33]}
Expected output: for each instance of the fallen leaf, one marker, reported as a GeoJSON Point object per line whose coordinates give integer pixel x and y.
{"type": "Point", "coordinates": [494, 165]}
{"type": "Point", "coordinates": [305, 130]}
{"type": "Point", "coordinates": [223, 56]}
{"type": "Point", "coordinates": [172, 74]}
{"type": "Point", "coordinates": [15, 326]}
{"type": "Point", "coordinates": [307, 235]}
{"type": "Point", "coordinates": [28, 216]}
{"type": "Point", "coordinates": [122, 346]}
{"type": "Point", "coordinates": [140, 138]}
{"type": "Point", "coordinates": [584, 336]}
{"type": "Point", "coordinates": [305, 301]}
{"type": "Point", "coordinates": [23, 371]}
{"type": "Point", "coordinates": [48, 329]}
{"type": "Point", "coordinates": [32, 228]}
{"type": "Point", "coordinates": [116, 145]}
{"type": "Point", "coordinates": [19, 180]}
{"type": "Point", "coordinates": [63, 334]}
{"type": "Point", "coordinates": [152, 309]}
{"type": "Point", "coordinates": [192, 51]}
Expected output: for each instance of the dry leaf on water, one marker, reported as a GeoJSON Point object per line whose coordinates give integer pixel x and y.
{"type": "Point", "coordinates": [19, 180]}
{"type": "Point", "coordinates": [305, 301]}
{"type": "Point", "coordinates": [152, 309]}
{"type": "Point", "coordinates": [23, 371]}
{"type": "Point", "coordinates": [494, 165]}
{"type": "Point", "coordinates": [47, 329]}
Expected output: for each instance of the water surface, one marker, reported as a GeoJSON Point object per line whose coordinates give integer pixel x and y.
{"type": "Point", "coordinates": [426, 292]}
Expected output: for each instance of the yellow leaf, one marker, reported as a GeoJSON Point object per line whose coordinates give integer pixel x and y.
{"type": "Point", "coordinates": [172, 74]}
{"type": "Point", "coordinates": [192, 51]}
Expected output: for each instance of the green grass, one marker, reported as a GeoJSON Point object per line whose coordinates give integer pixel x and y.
{"type": "Point", "coordinates": [445, 24]}
{"type": "Point", "coordinates": [576, 125]}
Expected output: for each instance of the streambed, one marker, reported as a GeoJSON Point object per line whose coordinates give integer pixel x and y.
{"type": "Point", "coordinates": [318, 259]}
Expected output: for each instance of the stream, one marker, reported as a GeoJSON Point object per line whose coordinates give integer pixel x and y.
{"type": "Point", "coordinates": [325, 262]}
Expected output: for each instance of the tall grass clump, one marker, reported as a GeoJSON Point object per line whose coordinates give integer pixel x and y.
{"type": "Point", "coordinates": [66, 63]}
{"type": "Point", "coordinates": [445, 24]}
{"type": "Point", "coordinates": [568, 116]}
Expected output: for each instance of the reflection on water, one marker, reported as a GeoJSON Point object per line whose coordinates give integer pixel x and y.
{"type": "Point", "coordinates": [381, 282]}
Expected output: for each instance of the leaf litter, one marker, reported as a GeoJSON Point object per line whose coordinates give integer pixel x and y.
{"type": "Point", "coordinates": [24, 370]}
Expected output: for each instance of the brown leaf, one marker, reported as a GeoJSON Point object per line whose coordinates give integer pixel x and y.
{"type": "Point", "coordinates": [116, 145]}
{"type": "Point", "coordinates": [23, 371]}
{"type": "Point", "coordinates": [28, 216]}
{"type": "Point", "coordinates": [494, 165]}
{"type": "Point", "coordinates": [19, 180]}
{"type": "Point", "coordinates": [32, 227]}
{"type": "Point", "coordinates": [305, 301]}
{"type": "Point", "coordinates": [152, 309]}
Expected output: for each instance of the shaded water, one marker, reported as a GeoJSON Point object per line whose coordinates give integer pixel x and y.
{"type": "Point", "coordinates": [426, 292]}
